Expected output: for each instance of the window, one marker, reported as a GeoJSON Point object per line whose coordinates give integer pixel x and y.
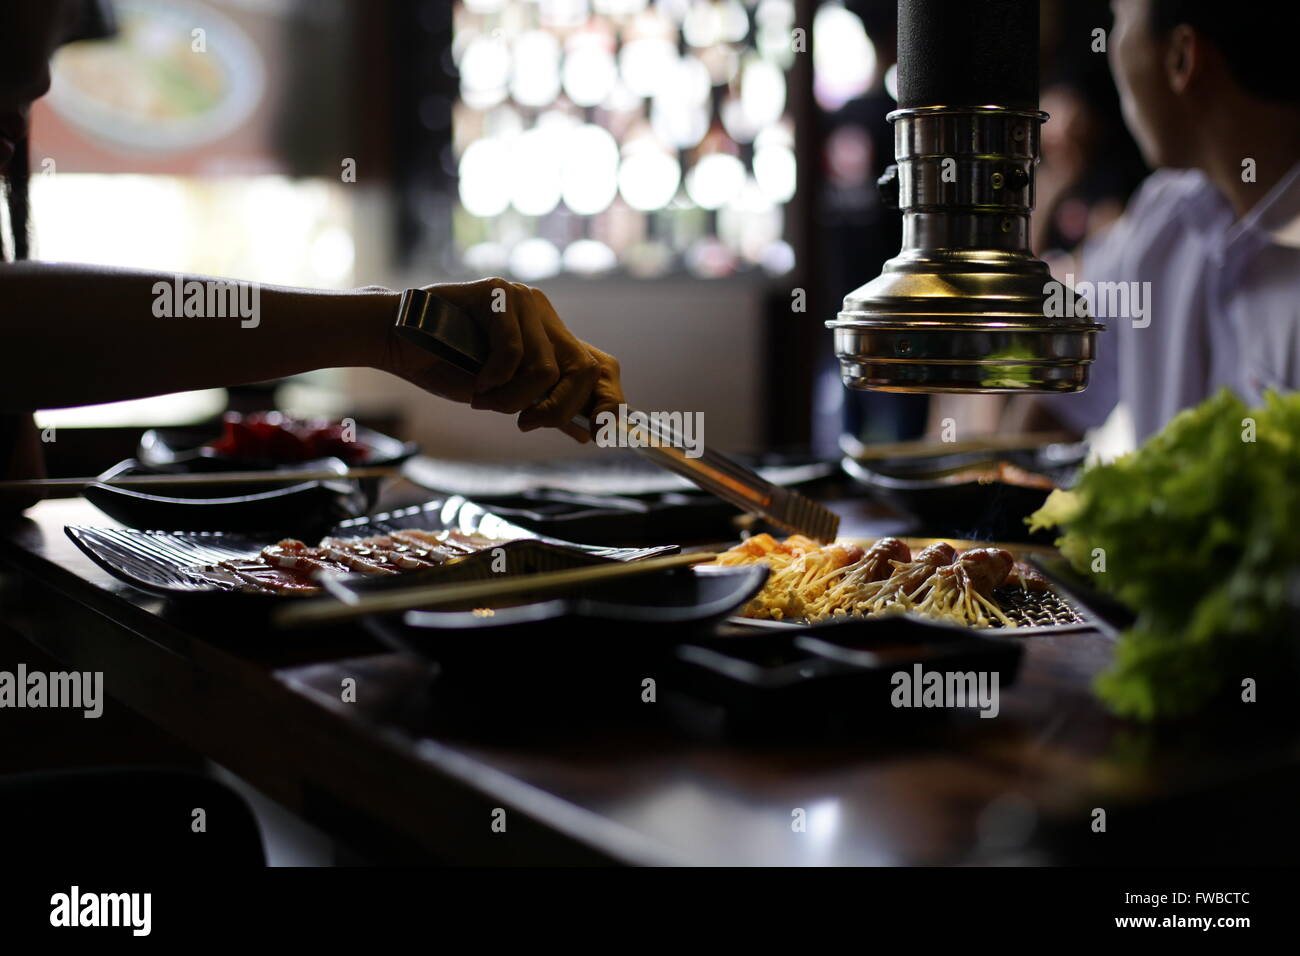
{"type": "Point", "coordinates": [642, 138]}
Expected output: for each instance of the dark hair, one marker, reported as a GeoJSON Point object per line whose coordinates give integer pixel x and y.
{"type": "Point", "coordinates": [1259, 47]}
{"type": "Point", "coordinates": [16, 176]}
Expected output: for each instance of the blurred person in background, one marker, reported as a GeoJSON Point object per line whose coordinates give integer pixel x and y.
{"type": "Point", "coordinates": [1213, 101]}
{"type": "Point", "coordinates": [1090, 167]}
{"type": "Point", "coordinates": [81, 335]}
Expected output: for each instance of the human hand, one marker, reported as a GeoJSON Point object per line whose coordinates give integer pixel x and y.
{"type": "Point", "coordinates": [536, 367]}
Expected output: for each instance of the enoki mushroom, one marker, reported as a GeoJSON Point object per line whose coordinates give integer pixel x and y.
{"type": "Point", "coordinates": [791, 587]}
{"type": "Point", "coordinates": [951, 595]}
{"type": "Point", "coordinates": [894, 579]}
{"type": "Point", "coordinates": [816, 583]}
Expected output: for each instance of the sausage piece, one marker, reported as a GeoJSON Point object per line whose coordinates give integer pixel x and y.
{"type": "Point", "coordinates": [1031, 579]}
{"type": "Point", "coordinates": [876, 566]}
{"type": "Point", "coordinates": [937, 555]}
{"type": "Point", "coordinates": [987, 568]}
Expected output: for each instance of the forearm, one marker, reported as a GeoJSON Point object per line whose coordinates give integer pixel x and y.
{"type": "Point", "coordinates": [79, 335]}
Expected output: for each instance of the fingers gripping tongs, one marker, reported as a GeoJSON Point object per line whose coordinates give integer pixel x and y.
{"type": "Point", "coordinates": [430, 322]}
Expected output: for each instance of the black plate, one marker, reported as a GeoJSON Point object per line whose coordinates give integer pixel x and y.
{"type": "Point", "coordinates": [982, 511]}
{"type": "Point", "coordinates": [630, 619]}
{"type": "Point", "coordinates": [304, 509]}
{"type": "Point", "coordinates": [163, 562]}
{"type": "Point", "coordinates": [835, 673]}
{"type": "Point", "coordinates": [614, 498]}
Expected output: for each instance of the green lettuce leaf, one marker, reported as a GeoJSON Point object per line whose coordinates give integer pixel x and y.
{"type": "Point", "coordinates": [1193, 531]}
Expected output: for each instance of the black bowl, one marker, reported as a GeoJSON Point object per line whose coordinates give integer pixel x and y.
{"type": "Point", "coordinates": [301, 508]}
{"type": "Point", "coordinates": [185, 450]}
{"type": "Point", "coordinates": [972, 509]}
{"type": "Point", "coordinates": [169, 448]}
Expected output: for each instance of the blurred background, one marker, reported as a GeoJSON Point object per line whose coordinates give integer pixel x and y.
{"type": "Point", "coordinates": [692, 182]}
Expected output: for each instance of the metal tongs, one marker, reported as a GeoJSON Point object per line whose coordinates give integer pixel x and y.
{"type": "Point", "coordinates": [430, 322]}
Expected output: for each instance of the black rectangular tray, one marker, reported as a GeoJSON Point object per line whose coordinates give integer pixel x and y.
{"type": "Point", "coordinates": [834, 673]}
{"type": "Point", "coordinates": [163, 562]}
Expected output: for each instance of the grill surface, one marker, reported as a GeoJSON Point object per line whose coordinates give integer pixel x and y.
{"type": "Point", "coordinates": [1034, 612]}
{"type": "Point", "coordinates": [173, 563]}
{"type": "Point", "coordinates": [1037, 609]}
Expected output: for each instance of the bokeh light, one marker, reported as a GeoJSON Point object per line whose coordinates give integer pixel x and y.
{"type": "Point", "coordinates": [484, 71]}
{"type": "Point", "coordinates": [590, 173]}
{"type": "Point", "coordinates": [589, 257]}
{"type": "Point", "coordinates": [535, 80]}
{"type": "Point", "coordinates": [485, 177]}
{"type": "Point", "coordinates": [844, 58]}
{"type": "Point", "coordinates": [648, 176]}
{"type": "Point", "coordinates": [589, 68]}
{"type": "Point", "coordinates": [537, 169]}
{"type": "Point", "coordinates": [647, 136]}
{"type": "Point", "coordinates": [535, 259]}
{"type": "Point", "coordinates": [775, 171]}
{"type": "Point", "coordinates": [715, 180]}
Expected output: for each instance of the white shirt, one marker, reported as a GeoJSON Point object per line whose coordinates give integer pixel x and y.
{"type": "Point", "coordinates": [1224, 303]}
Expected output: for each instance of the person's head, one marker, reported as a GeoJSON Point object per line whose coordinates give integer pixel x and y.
{"type": "Point", "coordinates": [1178, 62]}
{"type": "Point", "coordinates": [30, 32]}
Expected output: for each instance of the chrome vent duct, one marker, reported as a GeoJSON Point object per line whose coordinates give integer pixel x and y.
{"type": "Point", "coordinates": [965, 306]}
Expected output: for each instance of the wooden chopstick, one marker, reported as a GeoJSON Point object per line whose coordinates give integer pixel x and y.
{"type": "Point", "coordinates": [330, 611]}
{"type": "Point", "coordinates": [206, 478]}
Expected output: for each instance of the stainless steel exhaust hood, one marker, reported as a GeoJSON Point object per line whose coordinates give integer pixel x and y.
{"type": "Point", "coordinates": [965, 306]}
